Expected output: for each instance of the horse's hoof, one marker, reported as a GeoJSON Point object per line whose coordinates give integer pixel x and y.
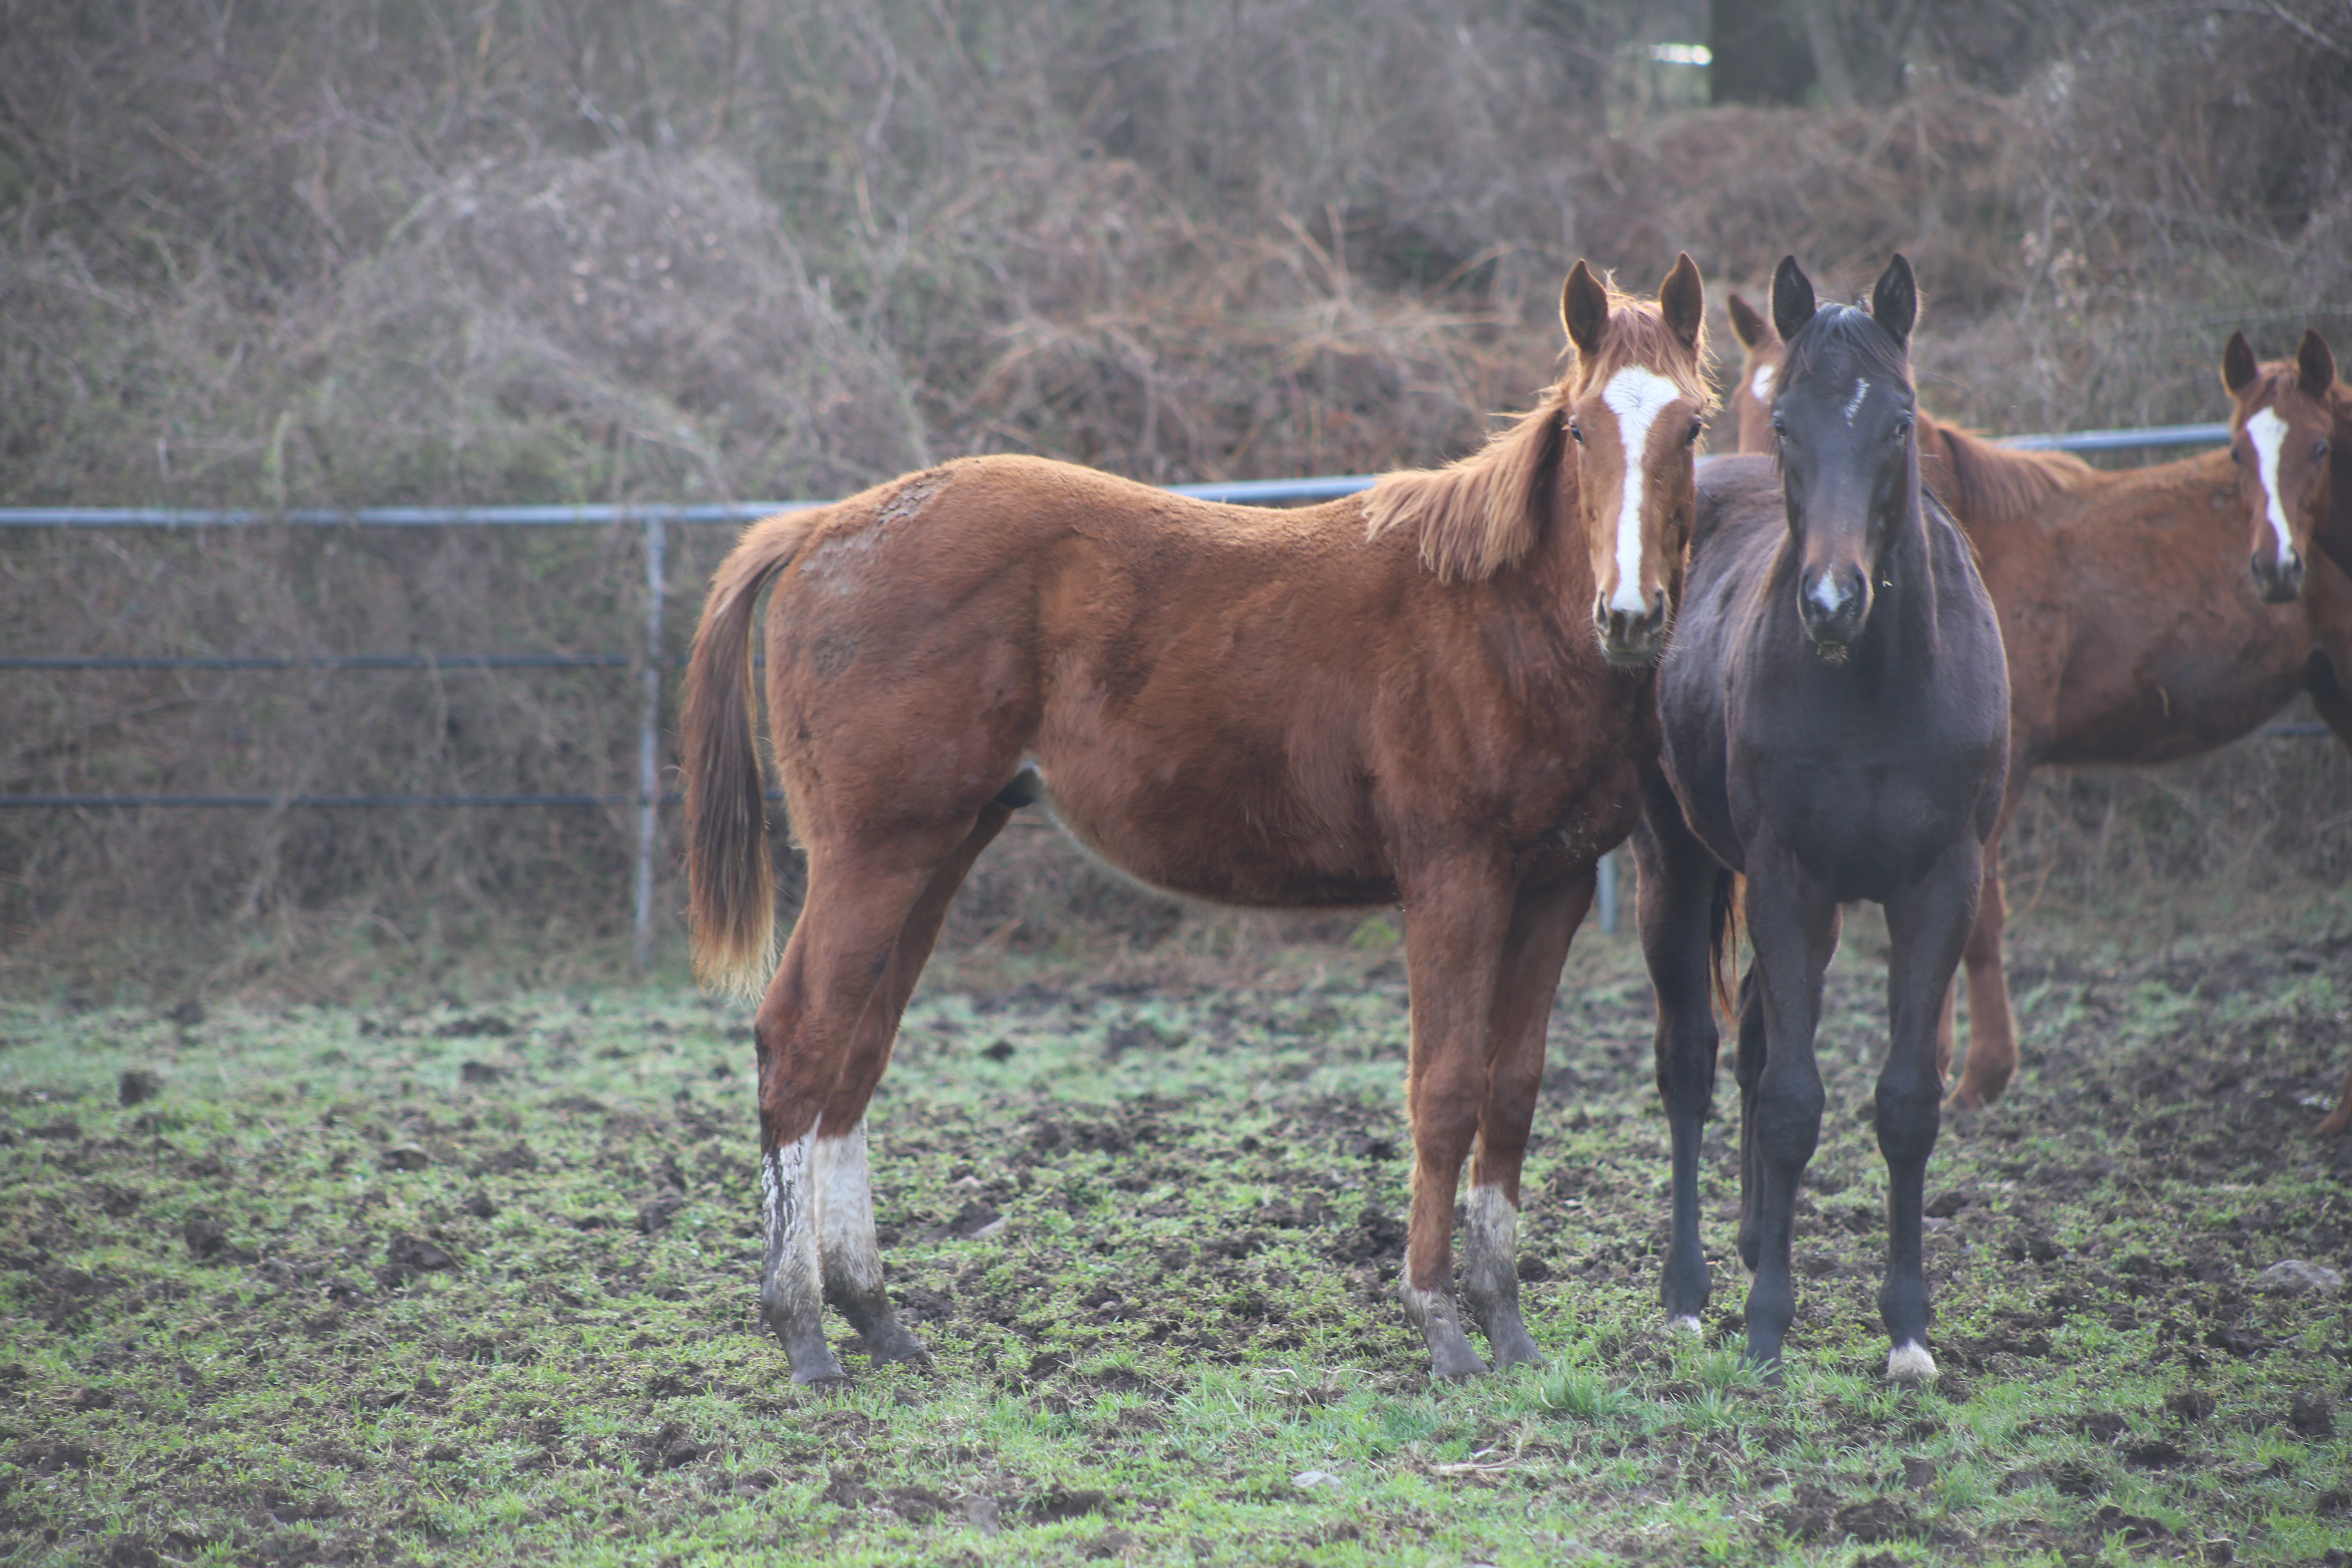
{"type": "Point", "coordinates": [1686, 1324]}
{"type": "Point", "coordinates": [1455, 1363]}
{"type": "Point", "coordinates": [821, 1379]}
{"type": "Point", "coordinates": [894, 1344]}
{"type": "Point", "coordinates": [1910, 1363]}
{"type": "Point", "coordinates": [1516, 1351]}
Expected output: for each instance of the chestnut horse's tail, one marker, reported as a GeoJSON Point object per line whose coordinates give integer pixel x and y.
{"type": "Point", "coordinates": [732, 897]}
{"type": "Point", "coordinates": [1723, 920]}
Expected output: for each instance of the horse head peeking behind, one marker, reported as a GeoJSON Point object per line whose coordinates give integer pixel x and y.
{"type": "Point", "coordinates": [2279, 433]}
{"type": "Point", "coordinates": [1634, 430]}
{"type": "Point", "coordinates": [1845, 423]}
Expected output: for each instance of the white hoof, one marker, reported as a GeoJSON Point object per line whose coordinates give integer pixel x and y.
{"type": "Point", "coordinates": [1910, 1364]}
{"type": "Point", "coordinates": [1686, 1324]}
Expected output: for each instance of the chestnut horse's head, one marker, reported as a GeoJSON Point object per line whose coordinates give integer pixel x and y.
{"type": "Point", "coordinates": [1749, 407]}
{"type": "Point", "coordinates": [1845, 419]}
{"type": "Point", "coordinates": [1634, 405]}
{"type": "Point", "coordinates": [2279, 429]}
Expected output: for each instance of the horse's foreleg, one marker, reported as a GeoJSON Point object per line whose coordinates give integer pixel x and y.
{"type": "Point", "coordinates": [1928, 924]}
{"type": "Point", "coordinates": [1792, 925]}
{"type": "Point", "coordinates": [1456, 918]}
{"type": "Point", "coordinates": [1678, 887]}
{"type": "Point", "coordinates": [1541, 926]}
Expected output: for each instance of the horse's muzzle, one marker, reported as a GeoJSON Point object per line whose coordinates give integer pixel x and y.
{"type": "Point", "coordinates": [1630, 638]}
{"type": "Point", "coordinates": [2279, 580]}
{"type": "Point", "coordinates": [1833, 604]}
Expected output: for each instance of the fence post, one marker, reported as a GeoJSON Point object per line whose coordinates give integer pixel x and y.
{"type": "Point", "coordinates": [650, 740]}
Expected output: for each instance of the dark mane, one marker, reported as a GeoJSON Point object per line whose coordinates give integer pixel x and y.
{"type": "Point", "coordinates": [1845, 331]}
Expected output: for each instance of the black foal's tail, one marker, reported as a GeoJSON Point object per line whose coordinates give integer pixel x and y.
{"type": "Point", "coordinates": [1723, 921]}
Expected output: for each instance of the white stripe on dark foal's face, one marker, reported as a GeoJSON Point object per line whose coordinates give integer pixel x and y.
{"type": "Point", "coordinates": [2267, 431]}
{"type": "Point", "coordinates": [1853, 404]}
{"type": "Point", "coordinates": [1637, 396]}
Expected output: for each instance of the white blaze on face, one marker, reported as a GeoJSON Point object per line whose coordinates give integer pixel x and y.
{"type": "Point", "coordinates": [2267, 431]}
{"type": "Point", "coordinates": [1760, 384]}
{"type": "Point", "coordinates": [1637, 397]}
{"type": "Point", "coordinates": [1853, 404]}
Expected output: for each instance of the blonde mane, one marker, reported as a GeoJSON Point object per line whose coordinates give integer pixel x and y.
{"type": "Point", "coordinates": [1482, 514]}
{"type": "Point", "coordinates": [1980, 479]}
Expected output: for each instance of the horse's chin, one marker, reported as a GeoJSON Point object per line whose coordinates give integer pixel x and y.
{"type": "Point", "coordinates": [1640, 653]}
{"type": "Point", "coordinates": [2279, 590]}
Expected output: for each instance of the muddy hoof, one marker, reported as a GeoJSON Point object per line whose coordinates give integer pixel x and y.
{"type": "Point", "coordinates": [894, 1344]}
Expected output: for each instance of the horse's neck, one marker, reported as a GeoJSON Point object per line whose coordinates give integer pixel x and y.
{"type": "Point", "coordinates": [1989, 487]}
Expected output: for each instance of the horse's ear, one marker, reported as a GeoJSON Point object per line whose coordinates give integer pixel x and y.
{"type": "Point", "coordinates": [1792, 298]}
{"type": "Point", "coordinates": [1682, 301]}
{"type": "Point", "coordinates": [1584, 311]}
{"type": "Point", "coordinates": [1752, 330]}
{"type": "Point", "coordinates": [2238, 367]}
{"type": "Point", "coordinates": [2315, 364]}
{"type": "Point", "coordinates": [1894, 303]}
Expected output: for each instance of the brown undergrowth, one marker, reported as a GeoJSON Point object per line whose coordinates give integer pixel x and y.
{"type": "Point", "coordinates": [285, 256]}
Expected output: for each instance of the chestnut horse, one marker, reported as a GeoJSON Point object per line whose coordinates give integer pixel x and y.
{"type": "Point", "coordinates": [2135, 632]}
{"type": "Point", "coordinates": [1439, 695]}
{"type": "Point", "coordinates": [1835, 711]}
{"type": "Point", "coordinates": [2292, 432]}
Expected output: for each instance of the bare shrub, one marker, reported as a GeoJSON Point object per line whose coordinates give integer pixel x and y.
{"type": "Point", "coordinates": [281, 255]}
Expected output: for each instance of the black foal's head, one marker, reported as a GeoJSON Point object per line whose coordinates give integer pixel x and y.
{"type": "Point", "coordinates": [1848, 459]}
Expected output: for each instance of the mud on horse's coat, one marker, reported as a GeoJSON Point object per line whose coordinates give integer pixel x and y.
{"type": "Point", "coordinates": [1835, 717]}
{"type": "Point", "coordinates": [1439, 694]}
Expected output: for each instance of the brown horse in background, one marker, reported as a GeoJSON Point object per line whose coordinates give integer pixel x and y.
{"type": "Point", "coordinates": [2134, 632]}
{"type": "Point", "coordinates": [2289, 437]}
{"type": "Point", "coordinates": [1438, 694]}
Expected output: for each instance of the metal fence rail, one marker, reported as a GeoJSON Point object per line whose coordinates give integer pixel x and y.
{"type": "Point", "coordinates": [655, 520]}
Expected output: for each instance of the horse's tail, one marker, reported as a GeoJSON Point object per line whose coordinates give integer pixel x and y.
{"type": "Point", "coordinates": [732, 896]}
{"type": "Point", "coordinates": [1723, 919]}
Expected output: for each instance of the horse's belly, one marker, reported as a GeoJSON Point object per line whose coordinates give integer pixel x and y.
{"type": "Point", "coordinates": [1197, 846]}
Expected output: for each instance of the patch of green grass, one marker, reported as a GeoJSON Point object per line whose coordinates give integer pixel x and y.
{"type": "Point", "coordinates": [458, 1285]}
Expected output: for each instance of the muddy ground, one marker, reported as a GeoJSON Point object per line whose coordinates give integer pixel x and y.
{"type": "Point", "coordinates": [458, 1280]}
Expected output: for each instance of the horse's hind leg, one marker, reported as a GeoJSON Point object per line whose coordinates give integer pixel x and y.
{"type": "Point", "coordinates": [1541, 925]}
{"type": "Point", "coordinates": [810, 1030]}
{"type": "Point", "coordinates": [2334, 706]}
{"type": "Point", "coordinates": [1748, 1069]}
{"type": "Point", "coordinates": [1927, 925]}
{"type": "Point", "coordinates": [851, 1254]}
{"type": "Point", "coordinates": [1678, 887]}
{"type": "Point", "coordinates": [1992, 1027]}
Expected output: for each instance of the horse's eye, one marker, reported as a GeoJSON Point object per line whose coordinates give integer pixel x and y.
{"type": "Point", "coordinates": [2319, 449]}
{"type": "Point", "coordinates": [1698, 426]}
{"type": "Point", "coordinates": [2237, 456]}
{"type": "Point", "coordinates": [1574, 431]}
